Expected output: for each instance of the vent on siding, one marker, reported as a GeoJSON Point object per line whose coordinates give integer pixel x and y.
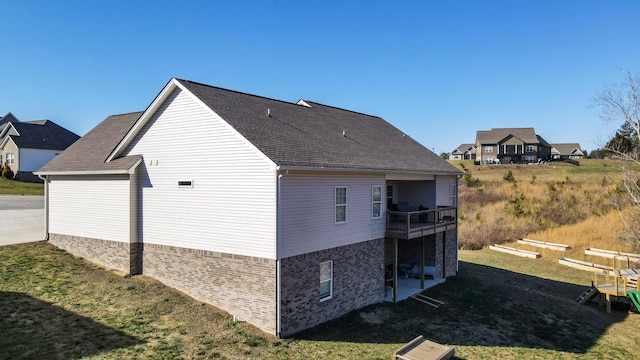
{"type": "Point", "coordinates": [185, 183]}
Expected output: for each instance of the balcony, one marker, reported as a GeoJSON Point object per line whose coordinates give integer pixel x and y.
{"type": "Point", "coordinates": [416, 224]}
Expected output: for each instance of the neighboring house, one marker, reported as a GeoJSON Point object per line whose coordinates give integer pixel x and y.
{"type": "Point", "coordinates": [463, 152]}
{"type": "Point", "coordinates": [26, 146]}
{"type": "Point", "coordinates": [283, 214]}
{"type": "Point", "coordinates": [511, 145]}
{"type": "Point", "coordinates": [569, 151]}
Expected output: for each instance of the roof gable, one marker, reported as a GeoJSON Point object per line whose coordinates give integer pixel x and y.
{"type": "Point", "coordinates": [8, 118]}
{"type": "Point", "coordinates": [567, 149]}
{"type": "Point", "coordinates": [497, 135]}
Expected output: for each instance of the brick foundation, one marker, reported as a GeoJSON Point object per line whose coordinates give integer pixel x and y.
{"type": "Point", "coordinates": [241, 285]}
{"type": "Point", "coordinates": [110, 254]}
{"type": "Point", "coordinates": [358, 281]}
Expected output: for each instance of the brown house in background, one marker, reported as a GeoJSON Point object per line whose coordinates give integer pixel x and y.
{"type": "Point", "coordinates": [511, 145]}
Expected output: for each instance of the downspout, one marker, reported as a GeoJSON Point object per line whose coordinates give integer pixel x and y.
{"type": "Point", "coordinates": [46, 207]}
{"type": "Point", "coordinates": [278, 241]}
{"type": "Point", "coordinates": [457, 226]}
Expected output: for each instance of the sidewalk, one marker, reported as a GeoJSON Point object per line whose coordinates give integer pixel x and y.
{"type": "Point", "coordinates": [21, 219]}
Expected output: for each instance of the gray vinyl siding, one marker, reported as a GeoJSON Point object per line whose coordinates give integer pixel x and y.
{"type": "Point", "coordinates": [308, 212]}
{"type": "Point", "coordinates": [90, 207]}
{"type": "Point", "coordinates": [230, 208]}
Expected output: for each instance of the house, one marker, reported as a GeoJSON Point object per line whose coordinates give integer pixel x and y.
{"type": "Point", "coordinates": [27, 146]}
{"type": "Point", "coordinates": [511, 145]}
{"type": "Point", "coordinates": [569, 151]}
{"type": "Point", "coordinates": [464, 152]}
{"type": "Point", "coordinates": [285, 215]}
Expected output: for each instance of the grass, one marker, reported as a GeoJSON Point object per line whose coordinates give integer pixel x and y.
{"type": "Point", "coordinates": [56, 306]}
{"type": "Point", "coordinates": [53, 305]}
{"type": "Point", "coordinates": [13, 187]}
{"type": "Point", "coordinates": [505, 202]}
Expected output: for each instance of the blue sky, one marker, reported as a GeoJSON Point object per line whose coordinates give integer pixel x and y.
{"type": "Point", "coordinates": [437, 70]}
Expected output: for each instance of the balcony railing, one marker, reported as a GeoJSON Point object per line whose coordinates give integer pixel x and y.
{"type": "Point", "coordinates": [415, 224]}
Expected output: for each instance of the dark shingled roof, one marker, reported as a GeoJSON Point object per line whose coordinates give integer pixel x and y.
{"type": "Point", "coordinates": [495, 135]}
{"type": "Point", "coordinates": [42, 134]}
{"type": "Point", "coordinates": [293, 135]}
{"type": "Point", "coordinates": [319, 136]}
{"type": "Point", "coordinates": [90, 152]}
{"type": "Point", "coordinates": [9, 118]}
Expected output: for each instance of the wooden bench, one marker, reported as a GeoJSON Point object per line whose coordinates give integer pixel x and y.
{"type": "Point", "coordinates": [423, 349]}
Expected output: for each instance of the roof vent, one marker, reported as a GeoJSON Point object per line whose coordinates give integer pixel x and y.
{"type": "Point", "coordinates": [269, 112]}
{"type": "Point", "coordinates": [344, 133]}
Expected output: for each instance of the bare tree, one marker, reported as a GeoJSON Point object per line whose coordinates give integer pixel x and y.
{"type": "Point", "coordinates": [620, 103]}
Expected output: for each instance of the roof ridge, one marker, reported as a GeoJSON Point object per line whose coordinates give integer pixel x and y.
{"type": "Point", "coordinates": [240, 92]}
{"type": "Point", "coordinates": [338, 108]}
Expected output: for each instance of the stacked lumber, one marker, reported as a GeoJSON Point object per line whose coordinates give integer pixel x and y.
{"type": "Point", "coordinates": [544, 244]}
{"type": "Point", "coordinates": [584, 265]}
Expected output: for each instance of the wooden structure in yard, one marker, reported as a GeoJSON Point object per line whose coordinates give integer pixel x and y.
{"type": "Point", "coordinates": [514, 251]}
{"type": "Point", "coordinates": [423, 349]}
{"type": "Point", "coordinates": [616, 283]}
{"type": "Point", "coordinates": [584, 265]}
{"type": "Point", "coordinates": [615, 256]}
{"type": "Point", "coordinates": [544, 244]}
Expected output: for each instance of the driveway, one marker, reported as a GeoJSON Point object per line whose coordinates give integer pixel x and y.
{"type": "Point", "coordinates": [21, 219]}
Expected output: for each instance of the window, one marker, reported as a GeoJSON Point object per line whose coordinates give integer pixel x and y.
{"type": "Point", "coordinates": [326, 280]}
{"type": "Point", "coordinates": [11, 158]}
{"type": "Point", "coordinates": [452, 195]}
{"type": "Point", "coordinates": [528, 148]}
{"type": "Point", "coordinates": [341, 205]}
{"type": "Point", "coordinates": [488, 149]}
{"type": "Point", "coordinates": [376, 201]}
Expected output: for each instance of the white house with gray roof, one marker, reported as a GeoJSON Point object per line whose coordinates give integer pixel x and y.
{"type": "Point", "coordinates": [284, 214]}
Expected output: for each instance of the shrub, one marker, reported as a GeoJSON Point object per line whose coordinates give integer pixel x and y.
{"type": "Point", "coordinates": [8, 173]}
{"type": "Point", "coordinates": [508, 177]}
{"type": "Point", "coordinates": [469, 180]}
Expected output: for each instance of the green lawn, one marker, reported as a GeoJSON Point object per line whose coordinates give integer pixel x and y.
{"type": "Point", "coordinates": [53, 305]}
{"type": "Point", "coordinates": [12, 187]}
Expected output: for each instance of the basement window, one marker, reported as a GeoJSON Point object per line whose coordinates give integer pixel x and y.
{"type": "Point", "coordinates": [185, 183]}
{"type": "Point", "coordinates": [326, 280]}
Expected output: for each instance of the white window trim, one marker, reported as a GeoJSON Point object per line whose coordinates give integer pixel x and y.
{"type": "Point", "coordinates": [379, 202]}
{"type": "Point", "coordinates": [488, 149]}
{"type": "Point", "coordinates": [11, 161]}
{"type": "Point", "coordinates": [453, 195]}
{"type": "Point", "coordinates": [330, 281]}
{"type": "Point", "coordinates": [335, 204]}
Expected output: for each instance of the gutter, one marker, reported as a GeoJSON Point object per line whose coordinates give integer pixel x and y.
{"type": "Point", "coordinates": [278, 263]}
{"type": "Point", "coordinates": [46, 207]}
{"type": "Point", "coordinates": [128, 171]}
{"type": "Point", "coordinates": [356, 170]}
